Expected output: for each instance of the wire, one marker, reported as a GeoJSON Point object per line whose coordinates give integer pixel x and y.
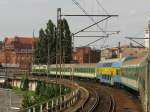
{"type": "Point", "coordinates": [86, 13]}
{"type": "Point", "coordinates": [95, 41]}
{"type": "Point", "coordinates": [100, 5]}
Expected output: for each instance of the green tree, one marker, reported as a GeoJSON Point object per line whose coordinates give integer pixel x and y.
{"type": "Point", "coordinates": [66, 41]}
{"type": "Point", "coordinates": [48, 39]}
{"type": "Point", "coordinates": [40, 52]}
{"type": "Point", "coordinates": [51, 41]}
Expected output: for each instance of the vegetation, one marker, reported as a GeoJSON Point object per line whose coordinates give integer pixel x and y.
{"type": "Point", "coordinates": [48, 38]}
{"type": "Point", "coordinates": [42, 93]}
{"type": "Point", "coordinates": [25, 84]}
{"type": "Point", "coordinates": [7, 84]}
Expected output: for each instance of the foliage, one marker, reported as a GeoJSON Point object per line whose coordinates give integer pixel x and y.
{"type": "Point", "coordinates": [7, 84]}
{"type": "Point", "coordinates": [25, 84]}
{"type": "Point", "coordinates": [66, 42]}
{"type": "Point", "coordinates": [27, 100]}
{"type": "Point", "coordinates": [48, 38]}
{"type": "Point", "coordinates": [42, 93]}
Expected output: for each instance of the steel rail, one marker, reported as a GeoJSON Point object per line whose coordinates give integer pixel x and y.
{"type": "Point", "coordinates": [113, 104]}
{"type": "Point", "coordinates": [96, 103]}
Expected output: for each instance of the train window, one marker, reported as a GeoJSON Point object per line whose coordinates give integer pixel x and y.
{"type": "Point", "coordinates": [107, 64]}
{"type": "Point", "coordinates": [107, 77]}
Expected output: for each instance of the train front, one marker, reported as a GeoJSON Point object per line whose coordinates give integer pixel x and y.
{"type": "Point", "coordinates": [107, 72]}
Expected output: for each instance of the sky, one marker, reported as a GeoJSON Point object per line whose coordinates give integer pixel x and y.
{"type": "Point", "coordinates": [20, 17]}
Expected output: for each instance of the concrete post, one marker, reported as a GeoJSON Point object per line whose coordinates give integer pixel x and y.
{"type": "Point", "coordinates": [60, 103]}
{"type": "Point", "coordinates": [64, 101]}
{"type": "Point", "coordinates": [56, 104]}
{"type": "Point", "coordinates": [41, 108]}
{"type": "Point", "coordinates": [29, 110]}
{"type": "Point", "coordinates": [47, 105]}
{"type": "Point", "coordinates": [33, 109]}
{"type": "Point", "coordinates": [52, 105]}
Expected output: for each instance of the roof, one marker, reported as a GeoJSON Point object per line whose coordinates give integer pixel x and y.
{"type": "Point", "coordinates": [110, 60]}
{"type": "Point", "coordinates": [10, 40]}
{"type": "Point", "coordinates": [25, 40]}
{"type": "Point", "coordinates": [136, 52]}
{"type": "Point", "coordinates": [134, 61]}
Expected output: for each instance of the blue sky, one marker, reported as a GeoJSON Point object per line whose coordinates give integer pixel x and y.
{"type": "Point", "coordinates": [20, 17]}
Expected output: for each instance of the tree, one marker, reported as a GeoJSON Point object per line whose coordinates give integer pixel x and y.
{"type": "Point", "coordinates": [51, 41]}
{"type": "Point", "coordinates": [40, 52]}
{"type": "Point", "coordinates": [48, 39]}
{"type": "Point", "coordinates": [66, 41]}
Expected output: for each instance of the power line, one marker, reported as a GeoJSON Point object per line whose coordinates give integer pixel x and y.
{"type": "Point", "coordinates": [132, 39]}
{"type": "Point", "coordinates": [88, 36]}
{"type": "Point", "coordinates": [91, 25]}
{"type": "Point", "coordinates": [95, 41]}
{"type": "Point", "coordinates": [100, 5]}
{"type": "Point", "coordinates": [86, 13]}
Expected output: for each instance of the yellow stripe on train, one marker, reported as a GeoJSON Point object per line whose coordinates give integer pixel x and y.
{"type": "Point", "coordinates": [112, 71]}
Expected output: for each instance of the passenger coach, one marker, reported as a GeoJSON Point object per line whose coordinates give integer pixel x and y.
{"type": "Point", "coordinates": [109, 71]}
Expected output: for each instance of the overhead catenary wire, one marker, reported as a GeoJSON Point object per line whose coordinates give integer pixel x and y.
{"type": "Point", "coordinates": [92, 19]}
{"type": "Point", "coordinates": [91, 25]}
{"type": "Point", "coordinates": [86, 13]}
{"type": "Point", "coordinates": [100, 5]}
{"type": "Point", "coordinates": [132, 39]}
{"type": "Point", "coordinates": [95, 41]}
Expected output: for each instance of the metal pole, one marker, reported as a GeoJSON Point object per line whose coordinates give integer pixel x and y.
{"type": "Point", "coordinates": [56, 55]}
{"type": "Point", "coordinates": [72, 48]}
{"type": "Point", "coordinates": [33, 50]}
{"type": "Point", "coordinates": [48, 57]}
{"type": "Point", "coordinates": [89, 55]}
{"type": "Point", "coordinates": [59, 37]}
{"type": "Point", "coordinates": [149, 35]}
{"type": "Point", "coordinates": [148, 75]}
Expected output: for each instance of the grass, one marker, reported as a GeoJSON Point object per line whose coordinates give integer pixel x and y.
{"type": "Point", "coordinates": [20, 92]}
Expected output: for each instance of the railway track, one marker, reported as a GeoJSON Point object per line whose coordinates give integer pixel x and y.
{"type": "Point", "coordinates": [125, 101]}
{"type": "Point", "coordinates": [111, 99]}
{"type": "Point", "coordinates": [97, 101]}
{"type": "Point", "coordinates": [92, 101]}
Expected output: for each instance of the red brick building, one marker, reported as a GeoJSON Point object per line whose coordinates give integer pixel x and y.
{"type": "Point", "coordinates": [86, 55]}
{"type": "Point", "coordinates": [17, 51]}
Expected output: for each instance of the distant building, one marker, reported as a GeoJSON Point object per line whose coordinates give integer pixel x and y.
{"type": "Point", "coordinates": [17, 51]}
{"type": "Point", "coordinates": [109, 53]}
{"type": "Point", "coordinates": [106, 54]}
{"type": "Point", "coordinates": [147, 35]}
{"type": "Point", "coordinates": [124, 51]}
{"type": "Point", "coordinates": [86, 55]}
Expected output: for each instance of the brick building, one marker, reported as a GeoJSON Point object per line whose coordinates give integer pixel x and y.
{"type": "Point", "coordinates": [17, 51]}
{"type": "Point", "coordinates": [86, 55]}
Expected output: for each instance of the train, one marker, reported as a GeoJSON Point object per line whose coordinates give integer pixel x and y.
{"type": "Point", "coordinates": [129, 71]}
